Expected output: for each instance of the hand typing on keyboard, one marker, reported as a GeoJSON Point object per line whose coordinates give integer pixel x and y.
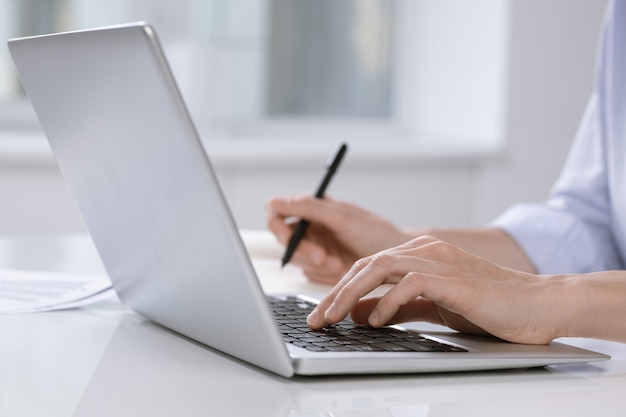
{"type": "Point", "coordinates": [437, 282]}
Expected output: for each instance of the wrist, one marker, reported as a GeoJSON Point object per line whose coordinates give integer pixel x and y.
{"type": "Point", "coordinates": [558, 300]}
{"type": "Point", "coordinates": [592, 305]}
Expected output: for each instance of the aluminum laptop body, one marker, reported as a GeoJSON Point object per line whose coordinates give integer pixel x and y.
{"type": "Point", "coordinates": [125, 143]}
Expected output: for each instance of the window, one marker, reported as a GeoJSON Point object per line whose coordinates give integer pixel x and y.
{"type": "Point", "coordinates": [248, 60]}
{"type": "Point", "coordinates": [338, 65]}
{"type": "Point", "coordinates": [266, 67]}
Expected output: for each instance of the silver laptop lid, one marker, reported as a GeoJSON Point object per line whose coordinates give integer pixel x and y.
{"type": "Point", "coordinates": [126, 146]}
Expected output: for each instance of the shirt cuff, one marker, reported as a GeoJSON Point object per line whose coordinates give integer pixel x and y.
{"type": "Point", "coordinates": [554, 240]}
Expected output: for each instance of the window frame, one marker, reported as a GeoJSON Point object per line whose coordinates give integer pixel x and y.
{"type": "Point", "coordinates": [402, 134]}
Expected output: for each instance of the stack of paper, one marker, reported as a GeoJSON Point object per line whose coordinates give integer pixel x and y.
{"type": "Point", "coordinates": [27, 291]}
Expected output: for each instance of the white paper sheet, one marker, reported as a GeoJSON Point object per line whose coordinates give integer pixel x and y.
{"type": "Point", "coordinates": [29, 291]}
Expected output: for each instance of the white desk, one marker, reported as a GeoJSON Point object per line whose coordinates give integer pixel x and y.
{"type": "Point", "coordinates": [106, 361]}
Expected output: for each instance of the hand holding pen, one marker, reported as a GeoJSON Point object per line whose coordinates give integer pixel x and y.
{"type": "Point", "coordinates": [300, 229]}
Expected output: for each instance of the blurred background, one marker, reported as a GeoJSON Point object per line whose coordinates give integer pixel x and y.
{"type": "Point", "coordinates": [453, 110]}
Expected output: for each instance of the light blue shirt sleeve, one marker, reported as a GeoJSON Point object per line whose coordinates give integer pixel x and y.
{"type": "Point", "coordinates": [571, 232]}
{"type": "Point", "coordinates": [580, 228]}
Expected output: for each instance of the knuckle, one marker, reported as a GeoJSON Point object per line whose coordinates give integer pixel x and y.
{"type": "Point", "coordinates": [440, 248]}
{"type": "Point", "coordinates": [428, 238]}
{"type": "Point", "coordinates": [378, 261]}
{"type": "Point", "coordinates": [361, 263]}
{"type": "Point", "coordinates": [414, 280]}
{"type": "Point", "coordinates": [423, 240]}
{"type": "Point", "coordinates": [382, 260]}
{"type": "Point", "coordinates": [413, 277]}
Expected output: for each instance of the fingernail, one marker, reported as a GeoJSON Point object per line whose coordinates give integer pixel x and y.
{"type": "Point", "coordinates": [374, 318]}
{"type": "Point", "coordinates": [313, 317]}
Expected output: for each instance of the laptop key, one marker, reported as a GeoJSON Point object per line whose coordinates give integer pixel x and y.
{"type": "Point", "coordinates": [341, 349]}
{"type": "Point", "coordinates": [291, 314]}
{"type": "Point", "coordinates": [314, 348]}
{"type": "Point", "coordinates": [391, 347]}
{"type": "Point", "coordinates": [418, 347]}
{"type": "Point", "coordinates": [367, 348]}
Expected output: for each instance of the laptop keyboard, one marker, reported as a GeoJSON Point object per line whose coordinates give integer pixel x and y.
{"type": "Point", "coordinates": [346, 336]}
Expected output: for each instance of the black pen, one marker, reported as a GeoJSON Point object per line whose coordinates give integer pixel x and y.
{"type": "Point", "coordinates": [298, 233]}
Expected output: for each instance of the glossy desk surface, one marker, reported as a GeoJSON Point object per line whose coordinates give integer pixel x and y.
{"type": "Point", "coordinates": [103, 360]}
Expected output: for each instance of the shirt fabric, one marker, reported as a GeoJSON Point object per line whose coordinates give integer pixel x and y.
{"type": "Point", "coordinates": [582, 226]}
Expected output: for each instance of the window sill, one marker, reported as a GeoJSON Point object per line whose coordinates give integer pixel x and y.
{"type": "Point", "coordinates": [30, 149]}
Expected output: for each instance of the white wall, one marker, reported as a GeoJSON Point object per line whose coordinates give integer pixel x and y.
{"type": "Point", "coordinates": [551, 55]}
{"type": "Point", "coordinates": [553, 47]}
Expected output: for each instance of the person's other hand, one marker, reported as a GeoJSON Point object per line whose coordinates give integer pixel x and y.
{"type": "Point", "coordinates": [339, 233]}
{"type": "Point", "coordinates": [437, 282]}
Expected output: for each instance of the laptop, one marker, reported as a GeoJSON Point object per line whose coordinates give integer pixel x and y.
{"type": "Point", "coordinates": [128, 149]}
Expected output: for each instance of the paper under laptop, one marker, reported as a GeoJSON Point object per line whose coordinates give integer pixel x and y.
{"type": "Point", "coordinates": [130, 154]}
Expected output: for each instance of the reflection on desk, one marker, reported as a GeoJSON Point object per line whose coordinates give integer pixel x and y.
{"type": "Point", "coordinates": [104, 360]}
{"type": "Point", "coordinates": [147, 370]}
